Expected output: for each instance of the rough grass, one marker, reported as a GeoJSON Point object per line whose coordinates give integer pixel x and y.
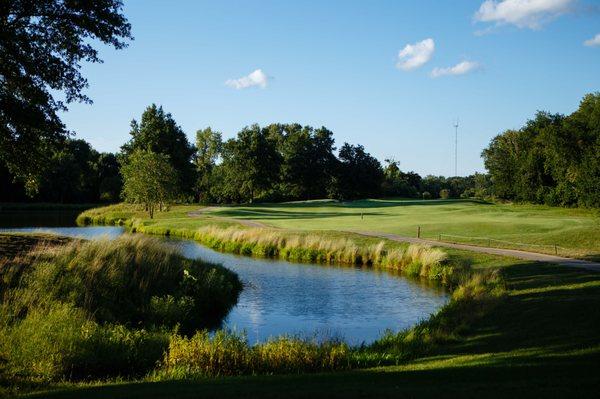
{"type": "Point", "coordinates": [95, 309]}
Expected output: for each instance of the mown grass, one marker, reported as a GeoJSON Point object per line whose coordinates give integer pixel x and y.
{"type": "Point", "coordinates": [575, 231]}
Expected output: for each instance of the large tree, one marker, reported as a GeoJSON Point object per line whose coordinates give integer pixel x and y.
{"type": "Point", "coordinates": [250, 165]}
{"type": "Point", "coordinates": [307, 161]}
{"type": "Point", "coordinates": [158, 132]}
{"type": "Point", "coordinates": [359, 174]}
{"type": "Point", "coordinates": [553, 159]}
{"type": "Point", "coordinates": [42, 46]}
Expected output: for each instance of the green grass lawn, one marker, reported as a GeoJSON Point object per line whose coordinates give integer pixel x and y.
{"type": "Point", "coordinates": [540, 341]}
{"type": "Point", "coordinates": [535, 228]}
{"type": "Point", "coordinates": [575, 231]}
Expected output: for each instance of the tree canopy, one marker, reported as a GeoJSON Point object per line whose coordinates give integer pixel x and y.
{"type": "Point", "coordinates": [42, 46]}
{"type": "Point", "coordinates": [553, 159]}
{"type": "Point", "coordinates": [158, 132]}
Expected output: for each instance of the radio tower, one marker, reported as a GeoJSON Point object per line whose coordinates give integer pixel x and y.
{"type": "Point", "coordinates": [456, 147]}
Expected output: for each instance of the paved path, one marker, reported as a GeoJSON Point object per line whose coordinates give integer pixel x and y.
{"type": "Point", "coordinates": [595, 266]}
{"type": "Point", "coordinates": [244, 222]}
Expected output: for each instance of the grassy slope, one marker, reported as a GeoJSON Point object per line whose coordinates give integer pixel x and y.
{"type": "Point", "coordinates": [540, 341]}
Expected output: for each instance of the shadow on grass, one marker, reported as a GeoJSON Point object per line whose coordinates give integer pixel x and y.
{"type": "Point", "coordinates": [550, 310]}
{"type": "Point", "coordinates": [361, 203]}
{"type": "Point", "coordinates": [272, 214]}
{"type": "Point", "coordinates": [560, 377]}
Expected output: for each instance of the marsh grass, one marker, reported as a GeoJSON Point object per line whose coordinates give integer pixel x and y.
{"type": "Point", "coordinates": [131, 280]}
{"type": "Point", "coordinates": [96, 309]}
{"type": "Point", "coordinates": [414, 260]}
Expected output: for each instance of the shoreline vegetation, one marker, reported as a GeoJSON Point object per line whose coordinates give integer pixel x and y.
{"type": "Point", "coordinates": [75, 310]}
{"type": "Point", "coordinates": [314, 247]}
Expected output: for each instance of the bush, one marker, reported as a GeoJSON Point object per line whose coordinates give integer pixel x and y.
{"type": "Point", "coordinates": [426, 195]}
{"type": "Point", "coordinates": [444, 193]}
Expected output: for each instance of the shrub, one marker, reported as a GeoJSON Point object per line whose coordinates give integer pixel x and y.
{"type": "Point", "coordinates": [444, 193]}
{"type": "Point", "coordinates": [426, 195]}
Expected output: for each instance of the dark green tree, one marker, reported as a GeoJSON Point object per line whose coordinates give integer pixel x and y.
{"type": "Point", "coordinates": [359, 175]}
{"type": "Point", "coordinates": [307, 161]}
{"type": "Point", "coordinates": [42, 46]}
{"type": "Point", "coordinates": [158, 132]}
{"type": "Point", "coordinates": [251, 165]}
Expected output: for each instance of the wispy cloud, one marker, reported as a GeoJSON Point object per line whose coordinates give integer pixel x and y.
{"type": "Point", "coordinates": [256, 78]}
{"type": "Point", "coordinates": [522, 13]}
{"type": "Point", "coordinates": [415, 55]}
{"type": "Point", "coordinates": [461, 68]}
{"type": "Point", "coordinates": [593, 42]}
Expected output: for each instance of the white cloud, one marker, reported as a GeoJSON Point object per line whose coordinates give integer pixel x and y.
{"type": "Point", "coordinates": [522, 13]}
{"type": "Point", "coordinates": [459, 69]}
{"type": "Point", "coordinates": [594, 41]}
{"type": "Point", "coordinates": [413, 56]}
{"type": "Point", "coordinates": [256, 78]}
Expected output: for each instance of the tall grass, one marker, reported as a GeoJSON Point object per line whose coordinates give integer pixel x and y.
{"type": "Point", "coordinates": [228, 353]}
{"type": "Point", "coordinates": [133, 280]}
{"type": "Point", "coordinates": [414, 260]}
{"type": "Point", "coordinates": [93, 309]}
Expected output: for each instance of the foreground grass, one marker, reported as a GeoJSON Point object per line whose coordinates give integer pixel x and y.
{"type": "Point", "coordinates": [95, 309]}
{"type": "Point", "coordinates": [539, 340]}
{"type": "Point", "coordinates": [576, 232]}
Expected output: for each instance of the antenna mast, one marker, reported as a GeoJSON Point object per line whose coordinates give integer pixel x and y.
{"type": "Point", "coordinates": [456, 147]}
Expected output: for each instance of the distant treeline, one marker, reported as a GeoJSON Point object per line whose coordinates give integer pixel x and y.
{"type": "Point", "coordinates": [273, 163]}
{"type": "Point", "coordinates": [554, 159]}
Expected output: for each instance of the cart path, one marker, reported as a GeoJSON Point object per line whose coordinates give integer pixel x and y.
{"type": "Point", "coordinates": [534, 256]}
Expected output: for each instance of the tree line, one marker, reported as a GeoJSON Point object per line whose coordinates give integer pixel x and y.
{"type": "Point", "coordinates": [554, 159]}
{"type": "Point", "coordinates": [277, 162]}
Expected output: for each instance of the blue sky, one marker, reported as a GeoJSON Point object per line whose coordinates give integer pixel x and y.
{"type": "Point", "coordinates": [336, 63]}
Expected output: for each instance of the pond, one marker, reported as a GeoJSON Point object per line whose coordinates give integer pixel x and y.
{"type": "Point", "coordinates": [351, 303]}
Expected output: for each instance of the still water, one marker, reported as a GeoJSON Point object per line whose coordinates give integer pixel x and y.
{"type": "Point", "coordinates": [355, 304]}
